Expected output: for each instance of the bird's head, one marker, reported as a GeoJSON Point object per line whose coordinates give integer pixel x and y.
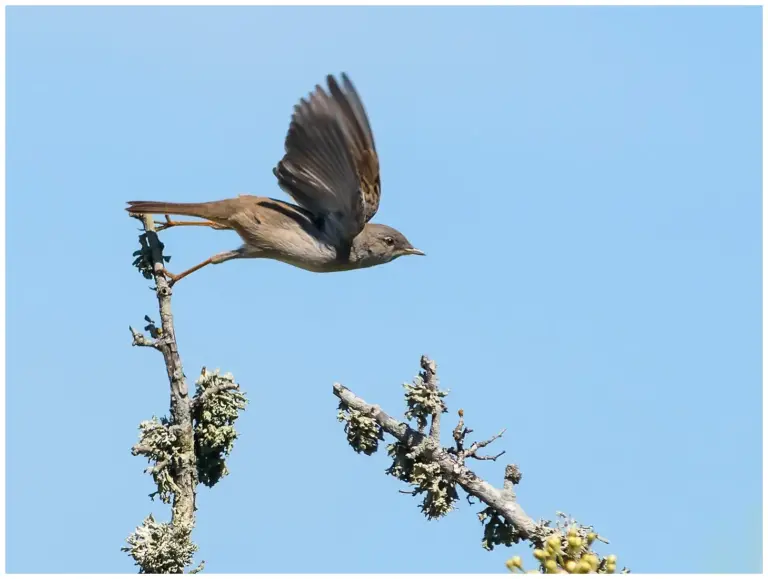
{"type": "Point", "coordinates": [377, 244]}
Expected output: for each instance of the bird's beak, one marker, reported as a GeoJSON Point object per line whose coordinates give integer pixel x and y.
{"type": "Point", "coordinates": [414, 251]}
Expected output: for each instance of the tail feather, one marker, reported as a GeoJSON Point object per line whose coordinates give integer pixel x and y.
{"type": "Point", "coordinates": [217, 211]}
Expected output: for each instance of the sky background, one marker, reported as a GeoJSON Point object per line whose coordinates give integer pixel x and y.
{"type": "Point", "coordinates": [586, 183]}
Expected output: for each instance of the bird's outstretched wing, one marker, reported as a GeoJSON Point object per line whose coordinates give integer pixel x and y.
{"type": "Point", "coordinates": [330, 166]}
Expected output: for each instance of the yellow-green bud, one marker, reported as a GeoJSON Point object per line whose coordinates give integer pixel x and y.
{"type": "Point", "coordinates": [610, 568]}
{"type": "Point", "coordinates": [572, 532]}
{"type": "Point", "coordinates": [554, 542]}
{"type": "Point", "coordinates": [583, 567]}
{"type": "Point", "coordinates": [550, 566]}
{"type": "Point", "coordinates": [574, 542]}
{"type": "Point", "coordinates": [591, 538]}
{"type": "Point", "coordinates": [570, 566]}
{"type": "Point", "coordinates": [611, 559]}
{"type": "Point", "coordinates": [515, 562]}
{"type": "Point", "coordinates": [593, 561]}
{"type": "Point", "coordinates": [540, 554]}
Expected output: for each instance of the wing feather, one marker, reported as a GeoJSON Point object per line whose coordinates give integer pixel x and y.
{"type": "Point", "coordinates": [330, 166]}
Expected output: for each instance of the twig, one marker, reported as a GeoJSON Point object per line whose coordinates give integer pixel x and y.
{"type": "Point", "coordinates": [459, 433]}
{"type": "Point", "coordinates": [503, 500]}
{"type": "Point", "coordinates": [158, 467]}
{"type": "Point", "coordinates": [472, 450]}
{"type": "Point", "coordinates": [430, 380]}
{"type": "Point", "coordinates": [140, 339]}
{"type": "Point", "coordinates": [141, 449]}
{"type": "Point", "coordinates": [487, 457]}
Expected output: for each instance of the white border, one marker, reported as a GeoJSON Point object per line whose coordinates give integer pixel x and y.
{"type": "Point", "coordinates": [349, 3]}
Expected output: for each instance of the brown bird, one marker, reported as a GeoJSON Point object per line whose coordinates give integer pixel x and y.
{"type": "Point", "coordinates": [330, 168]}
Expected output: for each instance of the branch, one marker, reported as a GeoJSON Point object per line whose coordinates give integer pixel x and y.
{"type": "Point", "coordinates": [451, 466]}
{"type": "Point", "coordinates": [191, 446]}
{"type": "Point", "coordinates": [433, 471]}
{"type": "Point", "coordinates": [140, 339]}
{"type": "Point", "coordinates": [185, 476]}
{"type": "Point", "coordinates": [460, 433]}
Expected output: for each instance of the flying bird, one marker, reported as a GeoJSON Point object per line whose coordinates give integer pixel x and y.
{"type": "Point", "coordinates": [331, 170]}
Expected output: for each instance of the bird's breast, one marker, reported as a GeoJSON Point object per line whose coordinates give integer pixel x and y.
{"type": "Point", "coordinates": [302, 248]}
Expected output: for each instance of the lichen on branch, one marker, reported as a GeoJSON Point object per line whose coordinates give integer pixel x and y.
{"type": "Point", "coordinates": [161, 547]}
{"type": "Point", "coordinates": [437, 472]}
{"type": "Point", "coordinates": [423, 397]}
{"type": "Point", "coordinates": [425, 476]}
{"type": "Point", "coordinates": [363, 432]}
{"type": "Point", "coordinates": [159, 443]}
{"type": "Point", "coordinates": [217, 405]}
{"type": "Point", "coordinates": [191, 444]}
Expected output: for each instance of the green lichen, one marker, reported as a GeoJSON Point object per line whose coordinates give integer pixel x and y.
{"type": "Point", "coordinates": [218, 402]}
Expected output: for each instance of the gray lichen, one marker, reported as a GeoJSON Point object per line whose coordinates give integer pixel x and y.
{"type": "Point", "coordinates": [497, 530]}
{"type": "Point", "coordinates": [160, 547]}
{"type": "Point", "coordinates": [426, 477]}
{"type": "Point", "coordinates": [159, 443]}
{"type": "Point", "coordinates": [218, 402]}
{"type": "Point", "coordinates": [402, 463]}
{"type": "Point", "coordinates": [424, 398]}
{"type": "Point", "coordinates": [362, 430]}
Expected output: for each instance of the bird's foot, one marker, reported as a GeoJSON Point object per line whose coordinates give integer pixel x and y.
{"type": "Point", "coordinates": [167, 224]}
{"type": "Point", "coordinates": [172, 278]}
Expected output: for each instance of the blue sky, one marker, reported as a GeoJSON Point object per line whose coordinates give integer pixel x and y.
{"type": "Point", "coordinates": [586, 184]}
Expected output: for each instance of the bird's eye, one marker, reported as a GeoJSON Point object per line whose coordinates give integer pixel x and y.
{"type": "Point", "coordinates": [389, 241]}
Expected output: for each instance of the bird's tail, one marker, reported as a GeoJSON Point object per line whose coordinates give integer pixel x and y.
{"type": "Point", "coordinates": [217, 211]}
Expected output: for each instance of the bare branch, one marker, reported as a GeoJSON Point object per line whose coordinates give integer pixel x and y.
{"type": "Point", "coordinates": [486, 457]}
{"type": "Point", "coordinates": [485, 443]}
{"type": "Point", "coordinates": [472, 450]}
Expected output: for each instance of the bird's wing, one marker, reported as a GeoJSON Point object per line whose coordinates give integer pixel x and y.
{"type": "Point", "coordinates": [330, 166]}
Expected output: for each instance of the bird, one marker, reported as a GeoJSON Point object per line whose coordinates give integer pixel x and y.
{"type": "Point", "coordinates": [331, 170]}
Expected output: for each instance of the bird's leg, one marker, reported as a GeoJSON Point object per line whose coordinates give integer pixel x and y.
{"type": "Point", "coordinates": [218, 258]}
{"type": "Point", "coordinates": [173, 277]}
{"type": "Point", "coordinates": [168, 223]}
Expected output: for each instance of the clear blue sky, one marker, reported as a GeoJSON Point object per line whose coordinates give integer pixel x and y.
{"type": "Point", "coordinates": [586, 184]}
